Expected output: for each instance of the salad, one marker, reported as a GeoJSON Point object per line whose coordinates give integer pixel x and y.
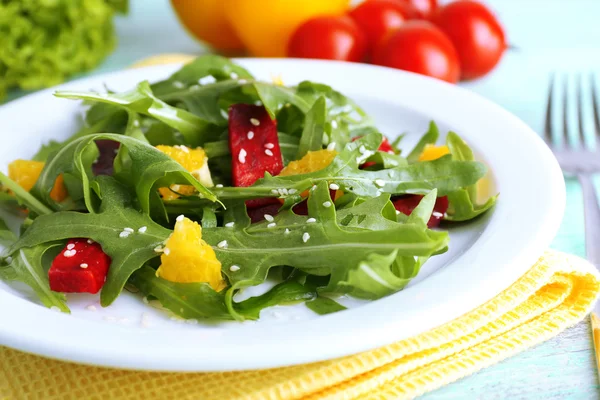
{"type": "Point", "coordinates": [191, 189]}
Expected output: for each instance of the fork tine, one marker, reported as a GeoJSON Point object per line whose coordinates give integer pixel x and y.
{"type": "Point", "coordinates": [580, 124]}
{"type": "Point", "coordinates": [565, 110]}
{"type": "Point", "coordinates": [548, 128]}
{"type": "Point", "coordinates": [595, 106]}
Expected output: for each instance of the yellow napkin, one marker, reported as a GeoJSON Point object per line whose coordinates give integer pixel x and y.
{"type": "Point", "coordinates": [557, 292]}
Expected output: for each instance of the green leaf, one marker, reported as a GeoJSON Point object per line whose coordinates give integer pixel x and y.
{"type": "Point", "coordinates": [116, 213]}
{"type": "Point", "coordinates": [7, 237]}
{"type": "Point", "coordinates": [274, 97]}
{"type": "Point", "coordinates": [324, 305]}
{"type": "Point", "coordinates": [24, 196]}
{"type": "Point", "coordinates": [188, 300]}
{"type": "Point", "coordinates": [26, 266]}
{"type": "Point", "coordinates": [462, 202]}
{"type": "Point", "coordinates": [320, 248]}
{"type": "Point", "coordinates": [442, 174]}
{"type": "Point", "coordinates": [314, 128]}
{"type": "Point", "coordinates": [422, 213]}
{"type": "Point", "coordinates": [430, 137]}
{"type": "Point", "coordinates": [220, 68]}
{"type": "Point", "coordinates": [194, 129]}
{"type": "Point", "coordinates": [148, 170]}
{"type": "Point", "coordinates": [289, 292]}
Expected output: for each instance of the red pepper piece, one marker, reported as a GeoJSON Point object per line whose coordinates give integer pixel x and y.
{"type": "Point", "coordinates": [406, 205]}
{"type": "Point", "coordinates": [80, 267]}
{"type": "Point", "coordinates": [384, 146]}
{"type": "Point", "coordinates": [108, 151]}
{"type": "Point", "coordinates": [253, 144]}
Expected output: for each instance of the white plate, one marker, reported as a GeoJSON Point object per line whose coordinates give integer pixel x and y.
{"type": "Point", "coordinates": [485, 256]}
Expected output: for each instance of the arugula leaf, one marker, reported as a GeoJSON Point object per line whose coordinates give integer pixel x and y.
{"type": "Point", "coordinates": [320, 248]}
{"type": "Point", "coordinates": [7, 237]}
{"type": "Point", "coordinates": [220, 68]}
{"type": "Point", "coordinates": [281, 294]}
{"type": "Point", "coordinates": [194, 129]}
{"type": "Point", "coordinates": [26, 266]}
{"type": "Point", "coordinates": [443, 174]}
{"type": "Point", "coordinates": [127, 254]}
{"type": "Point", "coordinates": [430, 137]}
{"type": "Point", "coordinates": [188, 300]}
{"type": "Point", "coordinates": [462, 202]}
{"type": "Point", "coordinates": [24, 197]}
{"type": "Point", "coordinates": [148, 170]}
{"type": "Point", "coordinates": [422, 212]}
{"type": "Point", "coordinates": [324, 305]}
{"type": "Point", "coordinates": [314, 129]}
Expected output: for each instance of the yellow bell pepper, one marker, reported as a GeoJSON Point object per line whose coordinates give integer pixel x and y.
{"type": "Point", "coordinates": [265, 26]}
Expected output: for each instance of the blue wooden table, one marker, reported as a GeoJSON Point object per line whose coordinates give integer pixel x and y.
{"type": "Point", "coordinates": [563, 367]}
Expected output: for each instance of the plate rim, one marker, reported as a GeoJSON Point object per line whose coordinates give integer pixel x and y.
{"type": "Point", "coordinates": [380, 326]}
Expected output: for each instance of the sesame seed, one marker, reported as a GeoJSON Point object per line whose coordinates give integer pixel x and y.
{"type": "Point", "coordinates": [397, 212]}
{"type": "Point", "coordinates": [116, 151]}
{"type": "Point", "coordinates": [128, 230]}
{"type": "Point", "coordinates": [83, 265]}
{"type": "Point", "coordinates": [158, 249]}
{"type": "Point", "coordinates": [219, 185]}
{"type": "Point", "coordinates": [145, 300]}
{"type": "Point", "coordinates": [313, 187]}
{"type": "Point", "coordinates": [136, 123]}
{"type": "Point", "coordinates": [292, 191]}
{"type": "Point", "coordinates": [269, 217]}
{"type": "Point", "coordinates": [331, 146]}
{"type": "Point", "coordinates": [69, 253]}
{"type": "Point", "coordinates": [258, 103]}
{"type": "Point", "coordinates": [391, 152]}
{"type": "Point", "coordinates": [178, 85]}
{"type": "Point", "coordinates": [222, 244]}
{"type": "Point", "coordinates": [334, 124]}
{"type": "Point", "coordinates": [327, 204]}
{"type": "Point", "coordinates": [250, 135]}
{"type": "Point", "coordinates": [311, 220]}
{"type": "Point", "coordinates": [362, 149]}
{"type": "Point", "coordinates": [269, 152]}
{"type": "Point", "coordinates": [271, 225]}
{"type": "Point", "coordinates": [242, 81]}
{"type": "Point", "coordinates": [254, 121]}
{"type": "Point", "coordinates": [207, 80]}
{"type": "Point", "coordinates": [91, 307]}
{"type": "Point", "coordinates": [233, 75]}
{"type": "Point", "coordinates": [143, 229]}
{"type": "Point", "coordinates": [334, 186]}
{"type": "Point", "coordinates": [274, 191]}
{"type": "Point", "coordinates": [287, 231]}
{"type": "Point", "coordinates": [234, 268]}
{"type": "Point", "coordinates": [176, 188]}
{"type": "Point", "coordinates": [124, 234]}
{"type": "Point", "coordinates": [70, 246]}
{"type": "Point", "coordinates": [379, 182]}
{"type": "Point", "coordinates": [269, 145]}
{"type": "Point", "coordinates": [242, 156]}
{"type": "Point", "coordinates": [55, 308]}
{"type": "Point", "coordinates": [167, 251]}
{"type": "Point", "coordinates": [230, 224]}
{"type": "Point", "coordinates": [180, 218]}
{"type": "Point", "coordinates": [90, 241]}
{"type": "Point", "coordinates": [305, 237]}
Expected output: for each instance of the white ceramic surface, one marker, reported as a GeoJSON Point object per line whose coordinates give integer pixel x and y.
{"type": "Point", "coordinates": [485, 256]}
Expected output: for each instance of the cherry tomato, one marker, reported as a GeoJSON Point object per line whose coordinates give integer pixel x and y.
{"type": "Point", "coordinates": [421, 47]}
{"type": "Point", "coordinates": [423, 7]}
{"type": "Point", "coordinates": [328, 37]}
{"type": "Point", "coordinates": [377, 18]}
{"type": "Point", "coordinates": [476, 33]}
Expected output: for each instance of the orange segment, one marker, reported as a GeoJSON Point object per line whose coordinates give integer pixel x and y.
{"type": "Point", "coordinates": [311, 162]}
{"type": "Point", "coordinates": [431, 152]}
{"type": "Point", "coordinates": [26, 173]}
{"type": "Point", "coordinates": [188, 258]}
{"type": "Point", "coordinates": [194, 161]}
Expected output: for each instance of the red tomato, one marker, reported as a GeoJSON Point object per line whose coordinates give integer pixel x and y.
{"type": "Point", "coordinates": [423, 7]}
{"type": "Point", "coordinates": [377, 18]}
{"type": "Point", "coordinates": [328, 37]}
{"type": "Point", "coordinates": [421, 47]}
{"type": "Point", "coordinates": [476, 33]}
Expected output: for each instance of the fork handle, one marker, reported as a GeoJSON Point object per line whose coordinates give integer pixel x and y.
{"type": "Point", "coordinates": [592, 219]}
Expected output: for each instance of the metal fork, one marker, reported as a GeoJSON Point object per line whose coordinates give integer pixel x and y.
{"type": "Point", "coordinates": [578, 159]}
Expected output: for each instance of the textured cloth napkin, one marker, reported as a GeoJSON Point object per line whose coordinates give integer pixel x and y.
{"type": "Point", "coordinates": [557, 292]}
